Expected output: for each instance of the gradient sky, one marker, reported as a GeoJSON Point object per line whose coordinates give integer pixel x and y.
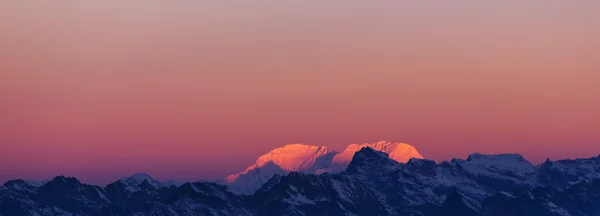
{"type": "Point", "coordinates": [199, 89]}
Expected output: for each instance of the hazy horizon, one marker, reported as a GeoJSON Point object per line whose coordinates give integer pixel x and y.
{"type": "Point", "coordinates": [112, 179]}
{"type": "Point", "coordinates": [189, 90]}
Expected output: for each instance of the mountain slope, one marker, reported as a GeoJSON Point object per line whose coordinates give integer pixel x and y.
{"type": "Point", "coordinates": [423, 181]}
{"type": "Point", "coordinates": [67, 196]}
{"type": "Point", "coordinates": [503, 184]}
{"type": "Point", "coordinates": [564, 173]}
{"type": "Point", "coordinates": [290, 158]}
{"type": "Point", "coordinates": [399, 152]}
{"type": "Point", "coordinates": [307, 194]}
{"type": "Point", "coordinates": [372, 184]}
{"type": "Point", "coordinates": [309, 159]}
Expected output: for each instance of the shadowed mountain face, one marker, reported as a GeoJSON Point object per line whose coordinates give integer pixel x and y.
{"type": "Point", "coordinates": [372, 184]}
{"type": "Point", "coordinates": [309, 159]}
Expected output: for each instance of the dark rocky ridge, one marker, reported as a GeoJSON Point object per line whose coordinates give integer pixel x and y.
{"type": "Point", "coordinates": [373, 184]}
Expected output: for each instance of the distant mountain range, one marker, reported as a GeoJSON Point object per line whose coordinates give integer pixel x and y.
{"type": "Point", "coordinates": [309, 159]}
{"type": "Point", "coordinates": [371, 184]}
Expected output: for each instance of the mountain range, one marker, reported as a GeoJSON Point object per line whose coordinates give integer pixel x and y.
{"type": "Point", "coordinates": [372, 183]}
{"type": "Point", "coordinates": [309, 159]}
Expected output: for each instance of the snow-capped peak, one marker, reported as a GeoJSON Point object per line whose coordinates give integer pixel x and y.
{"type": "Point", "coordinates": [496, 166]}
{"type": "Point", "coordinates": [509, 162]}
{"type": "Point", "coordinates": [400, 152]}
{"type": "Point", "coordinates": [496, 157]}
{"type": "Point", "coordinates": [310, 159]}
{"type": "Point", "coordinates": [294, 157]}
{"type": "Point", "coordinates": [138, 178]}
{"type": "Point", "coordinates": [17, 185]}
{"type": "Point", "coordinates": [289, 158]}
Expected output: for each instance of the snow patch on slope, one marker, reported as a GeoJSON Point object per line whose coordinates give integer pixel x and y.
{"type": "Point", "coordinates": [309, 159]}
{"type": "Point", "coordinates": [133, 182]}
{"type": "Point", "coordinates": [290, 158]}
{"type": "Point", "coordinates": [399, 152]}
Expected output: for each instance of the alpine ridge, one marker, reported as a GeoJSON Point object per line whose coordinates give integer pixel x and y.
{"type": "Point", "coordinates": [372, 184]}
{"type": "Point", "coordinates": [399, 152]}
{"type": "Point", "coordinates": [309, 159]}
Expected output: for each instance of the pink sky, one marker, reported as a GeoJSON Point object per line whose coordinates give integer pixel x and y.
{"type": "Point", "coordinates": [199, 89]}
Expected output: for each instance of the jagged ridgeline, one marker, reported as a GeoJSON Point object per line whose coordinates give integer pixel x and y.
{"type": "Point", "coordinates": [309, 159]}
{"type": "Point", "coordinates": [372, 184]}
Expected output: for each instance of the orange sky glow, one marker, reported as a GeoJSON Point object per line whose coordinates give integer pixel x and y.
{"type": "Point", "coordinates": [199, 89]}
